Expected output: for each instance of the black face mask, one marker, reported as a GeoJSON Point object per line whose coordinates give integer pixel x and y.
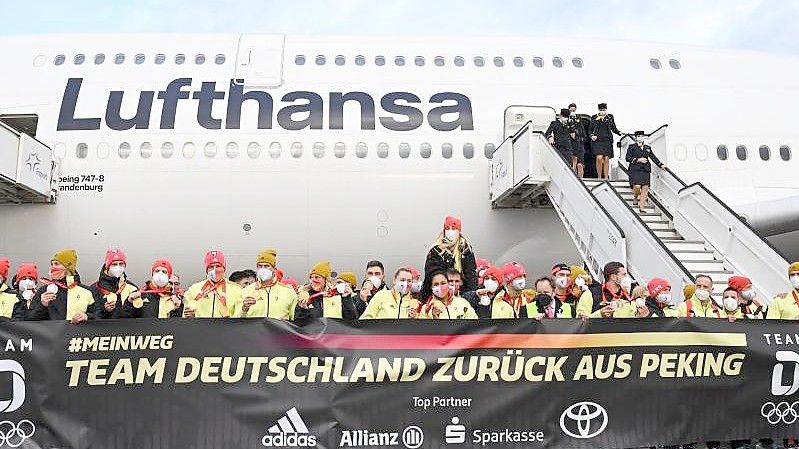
{"type": "Point", "coordinates": [543, 300]}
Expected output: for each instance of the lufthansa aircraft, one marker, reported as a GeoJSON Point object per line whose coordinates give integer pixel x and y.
{"type": "Point", "coordinates": [352, 149]}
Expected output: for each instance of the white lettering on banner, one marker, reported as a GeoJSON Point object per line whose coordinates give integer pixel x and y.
{"type": "Point", "coordinates": [777, 387]}
{"type": "Point", "coordinates": [289, 430]}
{"type": "Point", "coordinates": [17, 386]}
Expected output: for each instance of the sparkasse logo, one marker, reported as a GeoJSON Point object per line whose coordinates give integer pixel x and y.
{"type": "Point", "coordinates": [289, 431]}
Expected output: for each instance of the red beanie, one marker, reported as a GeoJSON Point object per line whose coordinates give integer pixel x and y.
{"type": "Point", "coordinates": [513, 270]}
{"type": "Point", "coordinates": [279, 274]}
{"type": "Point", "coordinates": [162, 263]}
{"type": "Point", "coordinates": [414, 272]}
{"type": "Point", "coordinates": [495, 272]}
{"type": "Point", "coordinates": [482, 264]}
{"type": "Point", "coordinates": [27, 270]}
{"type": "Point", "coordinates": [115, 255]}
{"type": "Point", "coordinates": [214, 257]}
{"type": "Point", "coordinates": [290, 282]}
{"type": "Point", "coordinates": [738, 282]}
{"type": "Point", "coordinates": [657, 285]}
{"type": "Point", "coordinates": [452, 223]}
{"type": "Point", "coordinates": [5, 264]}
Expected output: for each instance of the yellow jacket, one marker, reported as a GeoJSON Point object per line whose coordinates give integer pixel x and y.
{"type": "Point", "coordinates": [585, 305]}
{"type": "Point", "coordinates": [458, 309]}
{"type": "Point", "coordinates": [784, 307]}
{"type": "Point", "coordinates": [386, 304]}
{"type": "Point", "coordinates": [276, 301]}
{"type": "Point", "coordinates": [697, 309]}
{"type": "Point", "coordinates": [7, 301]}
{"type": "Point", "coordinates": [214, 302]}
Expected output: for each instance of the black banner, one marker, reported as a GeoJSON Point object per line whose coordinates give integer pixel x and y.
{"type": "Point", "coordinates": [406, 384]}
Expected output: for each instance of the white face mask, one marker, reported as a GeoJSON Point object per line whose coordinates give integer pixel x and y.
{"type": "Point", "coordinates": [376, 282]}
{"type": "Point", "coordinates": [730, 304]}
{"type": "Point", "coordinates": [265, 274]}
{"type": "Point", "coordinates": [416, 287]}
{"type": "Point", "coordinates": [664, 298]}
{"type": "Point", "coordinates": [27, 295]}
{"type": "Point", "coordinates": [748, 294]}
{"type": "Point", "coordinates": [341, 288]}
{"type": "Point", "coordinates": [211, 275]}
{"type": "Point", "coordinates": [702, 295]}
{"type": "Point", "coordinates": [519, 283]}
{"type": "Point", "coordinates": [491, 285]}
{"type": "Point", "coordinates": [561, 282]}
{"type": "Point", "coordinates": [795, 281]}
{"type": "Point", "coordinates": [440, 291]}
{"type": "Point", "coordinates": [452, 289]}
{"type": "Point", "coordinates": [451, 235]}
{"type": "Point", "coordinates": [116, 271]}
{"type": "Point", "coordinates": [626, 283]}
{"type": "Point", "coordinates": [160, 279]}
{"type": "Point", "coordinates": [401, 287]}
{"type": "Point", "coordinates": [580, 282]}
{"type": "Point", "coordinates": [27, 284]}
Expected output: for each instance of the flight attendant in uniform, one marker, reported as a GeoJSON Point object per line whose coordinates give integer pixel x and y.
{"type": "Point", "coordinates": [603, 126]}
{"type": "Point", "coordinates": [640, 158]}
{"type": "Point", "coordinates": [560, 135]}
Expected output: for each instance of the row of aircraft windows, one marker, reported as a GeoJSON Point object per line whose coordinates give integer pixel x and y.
{"type": "Point", "coordinates": [139, 58]}
{"type": "Point", "coordinates": [742, 153]}
{"type": "Point", "coordinates": [439, 61]}
{"type": "Point", "coordinates": [275, 150]}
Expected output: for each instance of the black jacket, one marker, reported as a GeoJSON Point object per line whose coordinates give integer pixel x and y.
{"type": "Point", "coordinates": [561, 132]}
{"type": "Point", "coordinates": [57, 310]}
{"type": "Point", "coordinates": [635, 152]}
{"type": "Point", "coordinates": [150, 308]}
{"type": "Point", "coordinates": [655, 310]}
{"type": "Point", "coordinates": [604, 129]}
{"type": "Point", "coordinates": [20, 308]}
{"type": "Point", "coordinates": [104, 284]}
{"type": "Point", "coordinates": [360, 304]}
{"type": "Point", "coordinates": [303, 316]}
{"type": "Point", "coordinates": [436, 261]}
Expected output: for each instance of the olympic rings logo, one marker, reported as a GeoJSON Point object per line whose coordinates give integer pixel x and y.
{"type": "Point", "coordinates": [782, 412]}
{"type": "Point", "coordinates": [14, 435]}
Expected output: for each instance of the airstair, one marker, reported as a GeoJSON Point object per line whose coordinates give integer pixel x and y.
{"type": "Point", "coordinates": [684, 231]}
{"type": "Point", "coordinates": [26, 169]}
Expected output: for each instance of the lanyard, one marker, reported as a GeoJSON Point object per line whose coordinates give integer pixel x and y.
{"type": "Point", "coordinates": [209, 287]}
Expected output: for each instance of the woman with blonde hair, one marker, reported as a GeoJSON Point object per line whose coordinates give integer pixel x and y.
{"type": "Point", "coordinates": [451, 250]}
{"type": "Point", "coordinates": [320, 299]}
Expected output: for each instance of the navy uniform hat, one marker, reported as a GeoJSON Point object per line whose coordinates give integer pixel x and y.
{"type": "Point", "coordinates": [565, 113]}
{"type": "Point", "coordinates": [640, 133]}
{"type": "Point", "coordinates": [601, 106]}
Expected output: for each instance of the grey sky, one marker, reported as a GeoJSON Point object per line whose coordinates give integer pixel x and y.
{"type": "Point", "coordinates": [764, 25]}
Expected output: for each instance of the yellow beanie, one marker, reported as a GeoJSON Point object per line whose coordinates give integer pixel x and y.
{"type": "Point", "coordinates": [793, 268]}
{"type": "Point", "coordinates": [68, 258]}
{"type": "Point", "coordinates": [349, 277]}
{"type": "Point", "coordinates": [267, 256]}
{"type": "Point", "coordinates": [688, 291]}
{"type": "Point", "coordinates": [576, 271]}
{"type": "Point", "coordinates": [322, 269]}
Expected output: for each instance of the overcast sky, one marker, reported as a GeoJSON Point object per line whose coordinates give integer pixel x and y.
{"type": "Point", "coordinates": [764, 25]}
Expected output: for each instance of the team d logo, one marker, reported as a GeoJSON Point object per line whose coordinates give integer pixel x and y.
{"type": "Point", "coordinates": [787, 362]}
{"type": "Point", "coordinates": [584, 420]}
{"type": "Point", "coordinates": [11, 371]}
{"type": "Point", "coordinates": [289, 431]}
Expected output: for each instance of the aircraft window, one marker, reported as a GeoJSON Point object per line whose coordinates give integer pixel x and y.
{"type": "Point", "coordinates": [675, 64]}
{"type": "Point", "coordinates": [340, 60]}
{"type": "Point", "coordinates": [479, 61]}
{"type": "Point", "coordinates": [320, 59]}
{"type": "Point", "coordinates": [399, 61]}
{"type": "Point", "coordinates": [189, 150]}
{"type": "Point", "coordinates": [160, 58]}
{"type": "Point", "coordinates": [785, 152]}
{"type": "Point", "coordinates": [199, 59]}
{"type": "Point", "coordinates": [765, 152]}
{"type": "Point", "coordinates": [299, 60]}
{"type": "Point", "coordinates": [145, 150]}
{"type": "Point", "coordinates": [518, 62]}
{"type": "Point", "coordinates": [740, 152]}
{"type": "Point", "coordinates": [446, 150]}
{"type": "Point", "coordinates": [701, 151]}
{"type": "Point", "coordinates": [557, 62]}
{"type": "Point", "coordinates": [538, 61]}
{"type": "Point", "coordinates": [360, 60]}
{"type": "Point", "coordinates": [318, 150]}
{"type": "Point", "coordinates": [339, 149]}
{"type": "Point", "coordinates": [654, 63]}
{"type": "Point", "coordinates": [419, 61]}
{"type": "Point", "coordinates": [439, 61]}
{"type": "Point", "coordinates": [404, 150]}
{"type": "Point", "coordinates": [253, 150]}
{"type": "Point", "coordinates": [81, 151]}
{"type": "Point", "coordinates": [119, 58]}
{"type": "Point", "coordinates": [59, 59]}
{"type": "Point", "coordinates": [380, 60]}
{"type": "Point", "coordinates": [275, 149]}
{"type": "Point", "coordinates": [60, 150]}
{"type": "Point", "coordinates": [232, 150]}
{"type": "Point", "coordinates": [499, 61]}
{"type": "Point", "coordinates": [681, 152]}
{"type": "Point", "coordinates": [209, 150]}
{"type": "Point", "coordinates": [296, 150]}
{"type": "Point", "coordinates": [219, 59]}
{"type": "Point", "coordinates": [180, 59]}
{"type": "Point", "coordinates": [459, 61]}
{"type": "Point", "coordinates": [139, 59]}
{"type": "Point", "coordinates": [103, 150]}
{"type": "Point", "coordinates": [79, 58]}
{"type": "Point", "coordinates": [577, 62]}
{"type": "Point", "coordinates": [124, 150]}
{"type": "Point", "coordinates": [39, 61]}
{"type": "Point", "coordinates": [99, 58]}
{"type": "Point", "coordinates": [425, 150]}
{"type": "Point", "coordinates": [361, 149]}
{"type": "Point", "coordinates": [721, 152]}
{"type": "Point", "coordinates": [468, 150]}
{"type": "Point", "coordinates": [488, 150]}
{"type": "Point", "coordinates": [167, 150]}
{"type": "Point", "coordinates": [382, 150]}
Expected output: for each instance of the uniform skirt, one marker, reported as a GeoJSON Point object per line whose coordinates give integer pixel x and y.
{"type": "Point", "coordinates": [602, 148]}
{"type": "Point", "coordinates": [639, 175]}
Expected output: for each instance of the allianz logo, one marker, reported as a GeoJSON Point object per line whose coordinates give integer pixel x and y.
{"type": "Point", "coordinates": [412, 437]}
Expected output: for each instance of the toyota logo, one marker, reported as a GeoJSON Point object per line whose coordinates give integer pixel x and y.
{"type": "Point", "coordinates": [783, 412]}
{"type": "Point", "coordinates": [584, 420]}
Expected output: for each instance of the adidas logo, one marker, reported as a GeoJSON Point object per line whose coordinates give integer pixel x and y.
{"type": "Point", "coordinates": [289, 431]}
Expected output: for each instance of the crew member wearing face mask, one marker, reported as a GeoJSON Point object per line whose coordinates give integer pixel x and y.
{"type": "Point", "coordinates": [603, 126]}
{"type": "Point", "coordinates": [659, 300]}
{"type": "Point", "coordinates": [546, 304]}
{"type": "Point", "coordinates": [267, 297]}
{"type": "Point", "coordinates": [112, 289]}
{"type": "Point", "coordinates": [319, 298]}
{"type": "Point", "coordinates": [701, 304]}
{"type": "Point", "coordinates": [443, 304]}
{"type": "Point", "coordinates": [451, 250]}
{"type": "Point", "coordinates": [8, 296]}
{"type": "Point", "coordinates": [374, 280]}
{"type": "Point", "coordinates": [157, 299]}
{"type": "Point", "coordinates": [560, 135]}
{"type": "Point", "coordinates": [395, 303]}
{"type": "Point", "coordinates": [27, 282]}
{"type": "Point", "coordinates": [786, 305]}
{"type": "Point", "coordinates": [640, 158]}
{"type": "Point", "coordinates": [579, 126]}
{"type": "Point", "coordinates": [750, 308]}
{"type": "Point", "coordinates": [488, 301]}
{"type": "Point", "coordinates": [63, 297]}
{"type": "Point", "coordinates": [613, 299]}
{"type": "Point", "coordinates": [215, 296]}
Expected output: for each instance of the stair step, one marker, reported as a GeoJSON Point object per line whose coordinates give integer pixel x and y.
{"type": "Point", "coordinates": [659, 225]}
{"type": "Point", "coordinates": [667, 234]}
{"type": "Point", "coordinates": [694, 255]}
{"type": "Point", "coordinates": [705, 266]}
{"type": "Point", "coordinates": [677, 245]}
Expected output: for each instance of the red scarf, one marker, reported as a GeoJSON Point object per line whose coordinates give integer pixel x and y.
{"type": "Point", "coordinates": [60, 284]}
{"type": "Point", "coordinates": [219, 288]}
